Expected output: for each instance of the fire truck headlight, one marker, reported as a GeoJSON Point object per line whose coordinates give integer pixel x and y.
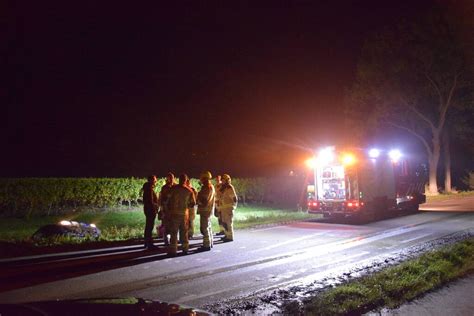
{"type": "Point", "coordinates": [374, 153]}
{"type": "Point", "coordinates": [311, 163]}
{"type": "Point", "coordinates": [65, 223]}
{"type": "Point", "coordinates": [348, 159]}
{"type": "Point", "coordinates": [395, 155]}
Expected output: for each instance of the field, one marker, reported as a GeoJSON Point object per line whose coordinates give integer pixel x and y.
{"type": "Point", "coordinates": [124, 224]}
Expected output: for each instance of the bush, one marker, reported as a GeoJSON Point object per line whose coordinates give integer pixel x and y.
{"type": "Point", "coordinates": [25, 197]}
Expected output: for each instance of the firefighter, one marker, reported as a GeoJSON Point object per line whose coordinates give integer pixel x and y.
{"type": "Point", "coordinates": [164, 194]}
{"type": "Point", "coordinates": [227, 206]}
{"type": "Point", "coordinates": [206, 202]}
{"type": "Point", "coordinates": [180, 200]}
{"type": "Point", "coordinates": [150, 208]}
{"type": "Point", "coordinates": [192, 211]}
{"type": "Point", "coordinates": [217, 212]}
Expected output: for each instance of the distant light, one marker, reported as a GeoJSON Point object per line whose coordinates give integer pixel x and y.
{"type": "Point", "coordinates": [348, 159]}
{"type": "Point", "coordinates": [374, 153]}
{"type": "Point", "coordinates": [65, 223]}
{"type": "Point", "coordinates": [395, 155]}
{"type": "Point", "coordinates": [311, 163]}
{"type": "Point", "coordinates": [93, 225]}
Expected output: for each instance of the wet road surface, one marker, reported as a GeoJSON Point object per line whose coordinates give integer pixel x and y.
{"type": "Point", "coordinates": [258, 261]}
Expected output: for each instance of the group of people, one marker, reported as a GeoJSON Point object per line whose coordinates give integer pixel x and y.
{"type": "Point", "coordinates": [176, 207]}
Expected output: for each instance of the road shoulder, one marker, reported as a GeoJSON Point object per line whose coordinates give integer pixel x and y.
{"type": "Point", "coordinates": [453, 299]}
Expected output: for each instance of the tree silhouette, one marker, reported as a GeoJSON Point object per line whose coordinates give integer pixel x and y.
{"type": "Point", "coordinates": [410, 78]}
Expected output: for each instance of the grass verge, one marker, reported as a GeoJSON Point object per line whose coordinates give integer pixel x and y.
{"type": "Point", "coordinates": [396, 285]}
{"type": "Point", "coordinates": [121, 224]}
{"type": "Point", "coordinates": [449, 196]}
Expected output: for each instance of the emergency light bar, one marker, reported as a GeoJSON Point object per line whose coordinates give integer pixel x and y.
{"type": "Point", "coordinates": [327, 155]}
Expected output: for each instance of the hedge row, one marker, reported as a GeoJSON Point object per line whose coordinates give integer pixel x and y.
{"type": "Point", "coordinates": [46, 196]}
{"type": "Point", "coordinates": [25, 196]}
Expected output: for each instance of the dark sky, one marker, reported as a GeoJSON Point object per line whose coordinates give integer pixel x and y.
{"type": "Point", "coordinates": [129, 89]}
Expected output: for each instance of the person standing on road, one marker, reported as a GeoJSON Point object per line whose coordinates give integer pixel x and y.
{"type": "Point", "coordinates": [217, 212]}
{"type": "Point", "coordinates": [180, 200]}
{"type": "Point", "coordinates": [164, 195]}
{"type": "Point", "coordinates": [192, 211]}
{"type": "Point", "coordinates": [227, 206]}
{"type": "Point", "coordinates": [206, 202]}
{"type": "Point", "coordinates": [150, 208]}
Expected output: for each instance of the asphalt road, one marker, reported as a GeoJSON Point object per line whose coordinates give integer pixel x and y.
{"type": "Point", "coordinates": [259, 260]}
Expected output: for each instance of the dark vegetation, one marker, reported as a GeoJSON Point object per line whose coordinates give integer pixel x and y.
{"type": "Point", "coordinates": [26, 197]}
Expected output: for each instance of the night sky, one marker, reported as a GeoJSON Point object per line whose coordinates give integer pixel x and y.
{"type": "Point", "coordinates": [128, 89]}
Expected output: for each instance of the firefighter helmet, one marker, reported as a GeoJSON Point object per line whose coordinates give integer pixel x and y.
{"type": "Point", "coordinates": [206, 175]}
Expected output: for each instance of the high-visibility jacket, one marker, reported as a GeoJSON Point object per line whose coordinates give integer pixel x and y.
{"type": "Point", "coordinates": [227, 196]}
{"type": "Point", "coordinates": [164, 195]}
{"type": "Point", "coordinates": [206, 199]}
{"type": "Point", "coordinates": [180, 199]}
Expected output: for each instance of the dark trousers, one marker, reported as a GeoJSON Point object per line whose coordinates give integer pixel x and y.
{"type": "Point", "coordinates": [149, 224]}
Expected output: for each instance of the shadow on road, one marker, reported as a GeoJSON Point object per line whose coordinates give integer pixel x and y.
{"type": "Point", "coordinates": [20, 272]}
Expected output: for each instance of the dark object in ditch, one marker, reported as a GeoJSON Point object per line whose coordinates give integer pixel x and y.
{"type": "Point", "coordinates": [67, 229]}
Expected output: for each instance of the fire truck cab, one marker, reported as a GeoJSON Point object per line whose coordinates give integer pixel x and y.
{"type": "Point", "coordinates": [364, 184]}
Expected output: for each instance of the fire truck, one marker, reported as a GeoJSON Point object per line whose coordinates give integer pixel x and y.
{"type": "Point", "coordinates": [364, 184]}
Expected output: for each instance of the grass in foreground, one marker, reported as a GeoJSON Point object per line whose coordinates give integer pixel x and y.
{"type": "Point", "coordinates": [396, 285]}
{"type": "Point", "coordinates": [128, 224]}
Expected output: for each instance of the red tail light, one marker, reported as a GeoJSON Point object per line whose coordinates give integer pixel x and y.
{"type": "Point", "coordinates": [313, 203]}
{"type": "Point", "coordinates": [353, 204]}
